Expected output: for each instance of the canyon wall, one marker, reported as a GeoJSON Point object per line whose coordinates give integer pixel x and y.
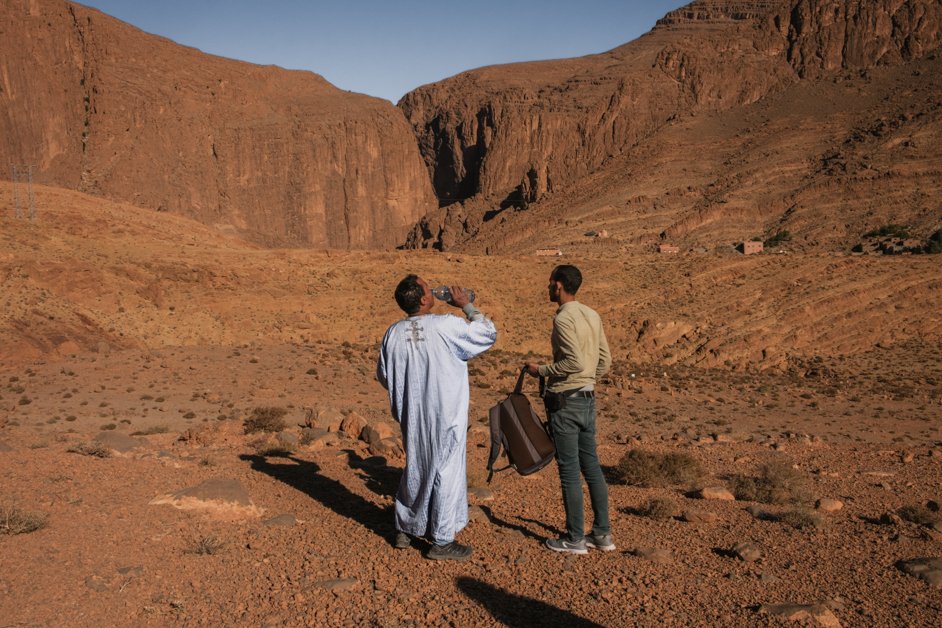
{"type": "Point", "coordinates": [508, 136]}
{"type": "Point", "coordinates": [280, 157]}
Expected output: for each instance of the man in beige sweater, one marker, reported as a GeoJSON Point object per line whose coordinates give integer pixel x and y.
{"type": "Point", "coordinates": [580, 357]}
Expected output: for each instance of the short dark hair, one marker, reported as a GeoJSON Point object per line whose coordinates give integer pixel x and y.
{"type": "Point", "coordinates": [409, 294]}
{"type": "Point", "coordinates": [569, 276]}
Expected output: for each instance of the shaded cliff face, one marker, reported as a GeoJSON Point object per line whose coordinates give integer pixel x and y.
{"type": "Point", "coordinates": [279, 157]}
{"type": "Point", "coordinates": [509, 136]}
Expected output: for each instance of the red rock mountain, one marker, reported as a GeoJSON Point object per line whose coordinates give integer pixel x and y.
{"type": "Point", "coordinates": [727, 120]}
{"type": "Point", "coordinates": [279, 157]}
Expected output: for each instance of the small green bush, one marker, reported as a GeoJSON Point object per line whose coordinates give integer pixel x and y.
{"type": "Point", "coordinates": [778, 238]}
{"type": "Point", "coordinates": [934, 243]}
{"type": "Point", "coordinates": [649, 469]}
{"type": "Point", "coordinates": [889, 231]}
{"type": "Point", "coordinates": [266, 419]}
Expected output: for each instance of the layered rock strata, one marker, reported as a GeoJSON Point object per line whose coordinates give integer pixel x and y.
{"type": "Point", "coordinates": [506, 136]}
{"type": "Point", "coordinates": [280, 157]}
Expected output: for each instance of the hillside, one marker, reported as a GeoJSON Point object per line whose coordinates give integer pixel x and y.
{"type": "Point", "coordinates": [727, 121]}
{"type": "Point", "coordinates": [135, 345]}
{"type": "Point", "coordinates": [278, 157]}
{"type": "Point", "coordinates": [90, 274]}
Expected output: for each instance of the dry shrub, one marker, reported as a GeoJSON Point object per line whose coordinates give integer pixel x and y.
{"type": "Point", "coordinates": [266, 419]}
{"type": "Point", "coordinates": [658, 508]}
{"type": "Point", "coordinates": [775, 483]}
{"type": "Point", "coordinates": [919, 514]}
{"type": "Point", "coordinates": [90, 448]}
{"type": "Point", "coordinates": [799, 519]}
{"type": "Point", "coordinates": [652, 470]}
{"type": "Point", "coordinates": [206, 546]}
{"type": "Point", "coordinates": [268, 447]}
{"type": "Point", "coordinates": [155, 429]}
{"type": "Point", "coordinates": [16, 521]}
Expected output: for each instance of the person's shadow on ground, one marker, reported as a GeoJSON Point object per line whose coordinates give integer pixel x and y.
{"type": "Point", "coordinates": [516, 610]}
{"type": "Point", "coordinates": [305, 476]}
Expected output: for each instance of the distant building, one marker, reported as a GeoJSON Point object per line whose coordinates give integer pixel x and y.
{"type": "Point", "coordinates": [668, 248]}
{"type": "Point", "coordinates": [549, 252]}
{"type": "Point", "coordinates": [751, 247]}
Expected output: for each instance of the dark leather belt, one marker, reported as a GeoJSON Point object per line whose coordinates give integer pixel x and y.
{"type": "Point", "coordinates": [586, 394]}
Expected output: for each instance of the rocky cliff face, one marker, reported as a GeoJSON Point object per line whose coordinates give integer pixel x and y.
{"type": "Point", "coordinates": [280, 157]}
{"type": "Point", "coordinates": [507, 136]}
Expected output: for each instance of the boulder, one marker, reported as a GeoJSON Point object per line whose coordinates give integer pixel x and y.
{"type": "Point", "coordinates": [221, 496]}
{"type": "Point", "coordinates": [819, 614]}
{"type": "Point", "coordinates": [352, 425]}
{"type": "Point", "coordinates": [717, 493]}
{"type": "Point", "coordinates": [928, 569]}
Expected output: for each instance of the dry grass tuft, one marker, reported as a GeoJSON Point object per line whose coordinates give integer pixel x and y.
{"type": "Point", "coordinates": [775, 483]}
{"type": "Point", "coordinates": [90, 448]}
{"type": "Point", "coordinates": [657, 508]}
{"type": "Point", "coordinates": [16, 521]}
{"type": "Point", "coordinates": [266, 419]}
{"type": "Point", "coordinates": [799, 519]}
{"type": "Point", "coordinates": [652, 470]}
{"type": "Point", "coordinates": [156, 429]}
{"type": "Point", "coordinates": [206, 546]}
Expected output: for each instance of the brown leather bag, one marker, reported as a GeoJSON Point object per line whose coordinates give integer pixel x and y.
{"type": "Point", "coordinates": [517, 428]}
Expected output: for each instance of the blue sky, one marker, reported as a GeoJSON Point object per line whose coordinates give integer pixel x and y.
{"type": "Point", "coordinates": [387, 48]}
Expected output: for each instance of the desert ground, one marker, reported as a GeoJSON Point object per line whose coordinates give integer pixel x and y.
{"type": "Point", "coordinates": [137, 345]}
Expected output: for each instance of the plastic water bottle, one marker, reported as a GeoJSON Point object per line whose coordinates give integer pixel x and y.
{"type": "Point", "coordinates": [443, 293]}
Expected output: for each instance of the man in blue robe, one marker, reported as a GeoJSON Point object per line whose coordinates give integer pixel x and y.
{"type": "Point", "coordinates": [423, 365]}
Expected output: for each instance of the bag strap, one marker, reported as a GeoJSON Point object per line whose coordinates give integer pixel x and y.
{"type": "Point", "coordinates": [495, 441]}
{"type": "Point", "coordinates": [519, 386]}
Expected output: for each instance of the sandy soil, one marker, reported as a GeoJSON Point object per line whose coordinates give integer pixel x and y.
{"type": "Point", "coordinates": [117, 321]}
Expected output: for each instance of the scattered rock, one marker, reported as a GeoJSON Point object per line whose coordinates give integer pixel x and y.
{"type": "Point", "coordinates": [389, 448]}
{"type": "Point", "coordinates": [698, 516]}
{"type": "Point", "coordinates": [352, 425]}
{"type": "Point", "coordinates": [476, 513]}
{"type": "Point", "coordinates": [286, 520]}
{"type": "Point", "coordinates": [906, 457]}
{"type": "Point", "coordinates": [337, 585]}
{"type": "Point", "coordinates": [828, 505]}
{"type": "Point", "coordinates": [226, 498]}
{"type": "Point", "coordinates": [310, 434]}
{"type": "Point", "coordinates": [376, 432]}
{"type": "Point", "coordinates": [928, 569]}
{"type": "Point", "coordinates": [891, 518]}
{"type": "Point", "coordinates": [118, 441]}
{"type": "Point", "coordinates": [328, 418]}
{"type": "Point", "coordinates": [481, 494]}
{"type": "Point", "coordinates": [716, 492]}
{"type": "Point", "coordinates": [747, 552]}
{"type": "Point", "coordinates": [655, 555]}
{"type": "Point", "coordinates": [289, 440]}
{"type": "Point", "coordinates": [328, 439]}
{"type": "Point", "coordinates": [818, 613]}
{"type": "Point", "coordinates": [97, 583]}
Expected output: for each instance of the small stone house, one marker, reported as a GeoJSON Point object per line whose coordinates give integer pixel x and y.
{"type": "Point", "coordinates": [752, 247]}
